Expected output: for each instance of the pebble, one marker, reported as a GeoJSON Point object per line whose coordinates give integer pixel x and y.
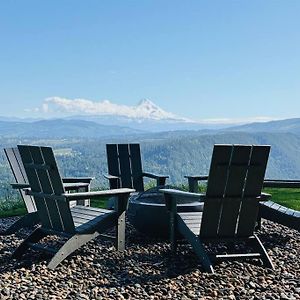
{"type": "Point", "coordinates": [146, 270]}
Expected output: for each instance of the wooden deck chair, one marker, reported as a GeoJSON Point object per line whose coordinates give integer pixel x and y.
{"type": "Point", "coordinates": [125, 167]}
{"type": "Point", "coordinates": [31, 218]}
{"type": "Point", "coordinates": [231, 204]}
{"type": "Point", "coordinates": [79, 224]}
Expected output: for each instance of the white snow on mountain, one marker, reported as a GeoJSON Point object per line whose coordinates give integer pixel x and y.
{"type": "Point", "coordinates": [145, 109]}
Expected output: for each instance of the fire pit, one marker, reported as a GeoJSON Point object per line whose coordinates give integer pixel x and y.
{"type": "Point", "coordinates": [148, 214]}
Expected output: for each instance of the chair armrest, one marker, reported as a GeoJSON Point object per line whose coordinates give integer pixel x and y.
{"type": "Point", "coordinates": [154, 176]}
{"type": "Point", "coordinates": [97, 194]}
{"type": "Point", "coordinates": [83, 195]}
{"type": "Point", "coordinates": [171, 197]}
{"type": "Point", "coordinates": [71, 186]}
{"type": "Point", "coordinates": [160, 179]}
{"type": "Point", "coordinates": [68, 186]}
{"type": "Point", "coordinates": [114, 181]}
{"type": "Point", "coordinates": [109, 177]}
{"type": "Point", "coordinates": [20, 185]}
{"type": "Point", "coordinates": [77, 179]}
{"type": "Point", "coordinates": [183, 194]}
{"type": "Point", "coordinates": [197, 177]}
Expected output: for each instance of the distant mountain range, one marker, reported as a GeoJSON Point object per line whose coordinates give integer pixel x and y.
{"type": "Point", "coordinates": [93, 128]}
{"type": "Point", "coordinates": [288, 125]}
{"type": "Point", "coordinates": [145, 116]}
{"type": "Point", "coordinates": [104, 118]}
{"type": "Point", "coordinates": [62, 129]}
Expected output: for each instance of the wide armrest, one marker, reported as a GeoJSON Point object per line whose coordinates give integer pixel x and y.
{"type": "Point", "coordinates": [83, 195]}
{"type": "Point", "coordinates": [109, 177]}
{"type": "Point", "coordinates": [97, 194]}
{"type": "Point", "coordinates": [183, 194]}
{"type": "Point", "coordinates": [197, 177]}
{"type": "Point", "coordinates": [20, 185]}
{"type": "Point", "coordinates": [172, 195]}
{"type": "Point", "coordinates": [284, 183]}
{"type": "Point", "coordinates": [160, 179]}
{"type": "Point", "coordinates": [77, 179]}
{"type": "Point", "coordinates": [154, 176]}
{"type": "Point", "coordinates": [114, 181]}
{"type": "Point", "coordinates": [70, 186]}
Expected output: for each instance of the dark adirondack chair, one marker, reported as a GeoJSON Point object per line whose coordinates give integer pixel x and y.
{"type": "Point", "coordinates": [125, 167]}
{"type": "Point", "coordinates": [231, 204]}
{"type": "Point", "coordinates": [31, 218]}
{"type": "Point", "coordinates": [78, 224]}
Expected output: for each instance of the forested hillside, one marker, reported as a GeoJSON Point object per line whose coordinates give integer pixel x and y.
{"type": "Point", "coordinates": [176, 154]}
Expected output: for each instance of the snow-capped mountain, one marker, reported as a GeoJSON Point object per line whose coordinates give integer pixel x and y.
{"type": "Point", "coordinates": [145, 109]}
{"type": "Point", "coordinates": [145, 116]}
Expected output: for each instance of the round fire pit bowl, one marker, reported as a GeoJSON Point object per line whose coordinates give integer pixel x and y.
{"type": "Point", "coordinates": [148, 214]}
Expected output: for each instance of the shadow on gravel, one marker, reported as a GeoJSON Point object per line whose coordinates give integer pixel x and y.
{"type": "Point", "coordinates": [8, 264]}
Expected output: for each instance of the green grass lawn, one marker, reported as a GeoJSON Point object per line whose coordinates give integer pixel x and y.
{"type": "Point", "coordinates": [17, 209]}
{"type": "Point", "coordinates": [100, 203]}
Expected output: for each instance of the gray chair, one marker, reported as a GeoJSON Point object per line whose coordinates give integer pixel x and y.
{"type": "Point", "coordinates": [231, 205]}
{"type": "Point", "coordinates": [125, 167]}
{"type": "Point", "coordinates": [78, 224]}
{"type": "Point", "coordinates": [31, 218]}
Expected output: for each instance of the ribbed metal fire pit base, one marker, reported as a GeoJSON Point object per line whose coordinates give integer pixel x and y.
{"type": "Point", "coordinates": [148, 214]}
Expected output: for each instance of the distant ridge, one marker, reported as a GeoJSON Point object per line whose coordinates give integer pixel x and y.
{"type": "Point", "coordinates": [281, 126]}
{"type": "Point", "coordinates": [108, 126]}
{"type": "Point", "coordinates": [60, 128]}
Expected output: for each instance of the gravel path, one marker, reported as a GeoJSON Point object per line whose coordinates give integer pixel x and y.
{"type": "Point", "coordinates": [147, 271]}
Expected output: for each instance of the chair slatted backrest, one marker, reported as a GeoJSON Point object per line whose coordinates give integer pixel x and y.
{"type": "Point", "coordinates": [124, 161]}
{"type": "Point", "coordinates": [17, 168]}
{"type": "Point", "coordinates": [44, 179]}
{"type": "Point", "coordinates": [234, 183]}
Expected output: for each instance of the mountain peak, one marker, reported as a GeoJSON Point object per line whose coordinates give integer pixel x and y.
{"type": "Point", "coordinates": [147, 102]}
{"type": "Point", "coordinates": [149, 110]}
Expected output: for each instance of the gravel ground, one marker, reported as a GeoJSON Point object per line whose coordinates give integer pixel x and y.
{"type": "Point", "coordinates": [147, 271]}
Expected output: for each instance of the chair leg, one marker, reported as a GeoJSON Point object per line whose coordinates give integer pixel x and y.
{"type": "Point", "coordinates": [161, 181]}
{"type": "Point", "coordinates": [264, 255]}
{"type": "Point", "coordinates": [120, 233]}
{"type": "Point", "coordinates": [258, 222]}
{"type": "Point", "coordinates": [80, 239]}
{"type": "Point", "coordinates": [193, 185]}
{"type": "Point", "coordinates": [34, 237]}
{"type": "Point", "coordinates": [173, 232]}
{"type": "Point", "coordinates": [29, 220]}
{"type": "Point", "coordinates": [72, 244]}
{"type": "Point", "coordinates": [196, 245]}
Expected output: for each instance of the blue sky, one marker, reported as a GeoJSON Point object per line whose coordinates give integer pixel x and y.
{"type": "Point", "coordinates": [198, 59]}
